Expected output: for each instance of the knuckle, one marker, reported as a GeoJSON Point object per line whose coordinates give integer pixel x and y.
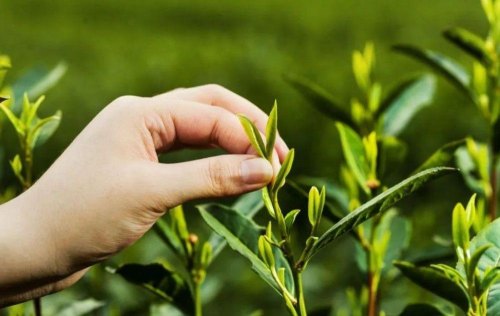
{"type": "Point", "coordinates": [218, 179]}
{"type": "Point", "coordinates": [214, 88]}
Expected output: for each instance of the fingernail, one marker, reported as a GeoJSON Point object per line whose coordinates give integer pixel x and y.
{"type": "Point", "coordinates": [256, 171]}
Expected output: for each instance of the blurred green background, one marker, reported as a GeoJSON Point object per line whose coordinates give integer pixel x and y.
{"type": "Point", "coordinates": [146, 47]}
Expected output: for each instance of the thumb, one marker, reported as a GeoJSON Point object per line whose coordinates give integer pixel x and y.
{"type": "Point", "coordinates": [218, 176]}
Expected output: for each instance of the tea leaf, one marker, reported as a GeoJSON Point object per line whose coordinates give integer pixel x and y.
{"type": "Point", "coordinates": [378, 204]}
{"type": "Point", "coordinates": [435, 281]}
{"type": "Point", "coordinates": [354, 154]}
{"type": "Point", "coordinates": [490, 259]}
{"type": "Point", "coordinates": [44, 129]}
{"type": "Point", "coordinates": [442, 156]}
{"type": "Point", "coordinates": [442, 64]}
{"type": "Point", "coordinates": [408, 102]}
{"type": "Point", "coordinates": [271, 131]}
{"type": "Point", "coordinates": [242, 235]}
{"type": "Point", "coordinates": [470, 43]}
{"type": "Point", "coordinates": [247, 205]}
{"type": "Point", "coordinates": [460, 227]}
{"type": "Point", "coordinates": [290, 219]}
{"type": "Point", "coordinates": [254, 136]}
{"type": "Point", "coordinates": [17, 123]}
{"type": "Point", "coordinates": [159, 280]}
{"type": "Point", "coordinates": [36, 82]}
{"type": "Point", "coordinates": [280, 180]}
{"type": "Point", "coordinates": [421, 309]}
{"type": "Point", "coordinates": [321, 99]}
{"type": "Point", "coordinates": [80, 308]}
{"type": "Point", "coordinates": [168, 236]}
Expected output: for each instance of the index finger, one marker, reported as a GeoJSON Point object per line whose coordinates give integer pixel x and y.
{"type": "Point", "coordinates": [219, 96]}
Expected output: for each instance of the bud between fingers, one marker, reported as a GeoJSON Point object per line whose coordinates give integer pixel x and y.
{"type": "Point", "coordinates": [256, 171]}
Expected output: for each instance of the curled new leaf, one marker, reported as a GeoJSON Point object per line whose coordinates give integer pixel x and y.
{"type": "Point", "coordinates": [254, 136]}
{"type": "Point", "coordinates": [280, 180]}
{"type": "Point", "coordinates": [271, 131]}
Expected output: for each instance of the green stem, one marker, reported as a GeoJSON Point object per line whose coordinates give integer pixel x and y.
{"type": "Point", "coordinates": [300, 292]}
{"type": "Point", "coordinates": [197, 299]}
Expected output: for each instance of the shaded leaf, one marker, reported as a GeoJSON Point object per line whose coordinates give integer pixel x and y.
{"type": "Point", "coordinates": [378, 204]}
{"type": "Point", "coordinates": [321, 99]}
{"type": "Point", "coordinates": [159, 280]}
{"type": "Point", "coordinates": [435, 281]}
{"type": "Point", "coordinates": [421, 309]}
{"type": "Point", "coordinates": [408, 102]}
{"type": "Point", "coordinates": [168, 236]}
{"type": "Point", "coordinates": [36, 82]}
{"type": "Point", "coordinates": [80, 308]}
{"type": "Point", "coordinates": [470, 43]}
{"type": "Point", "coordinates": [442, 156]}
{"type": "Point", "coordinates": [354, 154]}
{"type": "Point", "coordinates": [442, 64]}
{"type": "Point", "coordinates": [242, 235]}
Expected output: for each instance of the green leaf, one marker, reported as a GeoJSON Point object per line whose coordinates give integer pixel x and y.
{"type": "Point", "coordinates": [253, 135]}
{"type": "Point", "coordinates": [442, 64]}
{"type": "Point", "coordinates": [470, 43]}
{"type": "Point", "coordinates": [354, 154]}
{"type": "Point", "coordinates": [271, 131]}
{"type": "Point", "coordinates": [435, 281]}
{"type": "Point", "coordinates": [407, 103]}
{"type": "Point", "coordinates": [16, 122]}
{"type": "Point", "coordinates": [80, 308]}
{"type": "Point", "coordinates": [242, 235]}
{"type": "Point", "coordinates": [421, 309]}
{"type": "Point", "coordinates": [468, 169]}
{"type": "Point", "coordinates": [490, 259]}
{"type": "Point", "coordinates": [290, 219]}
{"type": "Point", "coordinates": [280, 180]}
{"type": "Point", "coordinates": [36, 82]}
{"type": "Point", "coordinates": [378, 204]}
{"type": "Point", "coordinates": [159, 280]}
{"type": "Point", "coordinates": [168, 236]}
{"type": "Point", "coordinates": [44, 129]}
{"type": "Point", "coordinates": [460, 227]}
{"type": "Point", "coordinates": [442, 156]}
{"type": "Point", "coordinates": [321, 99]}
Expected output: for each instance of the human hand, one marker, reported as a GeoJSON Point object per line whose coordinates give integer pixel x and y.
{"type": "Point", "coordinates": [108, 188]}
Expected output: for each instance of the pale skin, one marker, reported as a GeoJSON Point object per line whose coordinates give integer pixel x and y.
{"type": "Point", "coordinates": [107, 189]}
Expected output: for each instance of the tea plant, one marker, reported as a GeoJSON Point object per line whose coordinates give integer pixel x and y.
{"type": "Point", "coordinates": [477, 161]}
{"type": "Point", "coordinates": [472, 284]}
{"type": "Point", "coordinates": [272, 255]}
{"type": "Point", "coordinates": [368, 135]}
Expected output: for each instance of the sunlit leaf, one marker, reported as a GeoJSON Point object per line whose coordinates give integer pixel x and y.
{"type": "Point", "coordinates": [436, 281]}
{"type": "Point", "coordinates": [44, 129]}
{"type": "Point", "coordinates": [321, 99]}
{"type": "Point", "coordinates": [253, 135]}
{"type": "Point", "coordinates": [378, 204]}
{"type": "Point", "coordinates": [271, 131]}
{"type": "Point", "coordinates": [354, 154]}
{"type": "Point", "coordinates": [285, 169]}
{"type": "Point", "coordinates": [407, 103]}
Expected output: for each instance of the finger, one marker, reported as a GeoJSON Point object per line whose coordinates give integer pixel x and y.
{"type": "Point", "coordinates": [195, 124]}
{"type": "Point", "coordinates": [218, 176]}
{"type": "Point", "coordinates": [224, 98]}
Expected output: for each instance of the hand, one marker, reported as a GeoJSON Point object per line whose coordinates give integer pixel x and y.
{"type": "Point", "coordinates": [107, 189]}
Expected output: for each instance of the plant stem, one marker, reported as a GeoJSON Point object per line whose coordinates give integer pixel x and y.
{"type": "Point", "coordinates": [197, 299]}
{"type": "Point", "coordinates": [37, 306]}
{"type": "Point", "coordinates": [492, 205]}
{"type": "Point", "coordinates": [300, 292]}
